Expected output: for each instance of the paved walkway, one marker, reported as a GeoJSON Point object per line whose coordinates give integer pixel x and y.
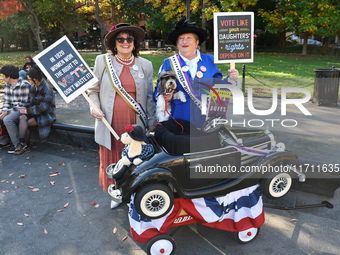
{"type": "Point", "coordinates": [69, 214]}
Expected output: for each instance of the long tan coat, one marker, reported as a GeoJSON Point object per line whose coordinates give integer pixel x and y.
{"type": "Point", "coordinates": [103, 94]}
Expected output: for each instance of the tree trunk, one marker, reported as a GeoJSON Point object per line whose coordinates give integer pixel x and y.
{"type": "Point", "coordinates": [34, 25]}
{"type": "Point", "coordinates": [282, 41]}
{"type": "Point", "coordinates": [204, 26]}
{"type": "Point", "coordinates": [304, 48]}
{"type": "Point", "coordinates": [30, 40]}
{"type": "Point", "coordinates": [103, 27]}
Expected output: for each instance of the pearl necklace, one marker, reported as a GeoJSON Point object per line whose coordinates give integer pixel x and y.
{"type": "Point", "coordinates": [124, 61]}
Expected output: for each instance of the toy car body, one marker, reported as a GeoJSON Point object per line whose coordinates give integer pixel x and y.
{"type": "Point", "coordinates": [158, 179]}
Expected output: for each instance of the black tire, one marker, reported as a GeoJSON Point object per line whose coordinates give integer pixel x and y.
{"type": "Point", "coordinates": [162, 245]}
{"type": "Point", "coordinates": [119, 171]}
{"type": "Point", "coordinates": [277, 185]}
{"type": "Point", "coordinates": [153, 201]}
{"type": "Point", "coordinates": [247, 236]}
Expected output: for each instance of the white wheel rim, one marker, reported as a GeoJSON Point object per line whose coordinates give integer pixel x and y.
{"type": "Point", "coordinates": [280, 185]}
{"type": "Point", "coordinates": [247, 235]}
{"type": "Point", "coordinates": [162, 247]}
{"type": "Point", "coordinates": [117, 167]}
{"type": "Point", "coordinates": [155, 203]}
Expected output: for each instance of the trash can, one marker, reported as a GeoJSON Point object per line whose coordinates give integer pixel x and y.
{"type": "Point", "coordinates": [326, 86]}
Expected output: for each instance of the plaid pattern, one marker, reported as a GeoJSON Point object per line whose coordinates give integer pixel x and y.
{"type": "Point", "coordinates": [17, 95]}
{"type": "Point", "coordinates": [43, 107]}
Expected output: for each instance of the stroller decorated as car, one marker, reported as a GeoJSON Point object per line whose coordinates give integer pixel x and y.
{"type": "Point", "coordinates": [210, 176]}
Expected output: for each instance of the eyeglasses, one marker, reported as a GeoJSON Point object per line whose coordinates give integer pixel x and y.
{"type": "Point", "coordinates": [122, 39]}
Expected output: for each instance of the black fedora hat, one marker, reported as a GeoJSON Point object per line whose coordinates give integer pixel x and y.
{"type": "Point", "coordinates": [183, 26]}
{"type": "Point", "coordinates": [139, 32]}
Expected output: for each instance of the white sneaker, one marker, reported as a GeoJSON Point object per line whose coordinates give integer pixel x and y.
{"type": "Point", "coordinates": [114, 204]}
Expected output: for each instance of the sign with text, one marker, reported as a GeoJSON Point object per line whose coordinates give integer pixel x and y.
{"type": "Point", "coordinates": [65, 69]}
{"type": "Point", "coordinates": [233, 37]}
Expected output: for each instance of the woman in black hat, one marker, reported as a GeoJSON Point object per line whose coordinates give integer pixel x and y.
{"type": "Point", "coordinates": [189, 66]}
{"type": "Point", "coordinates": [123, 94]}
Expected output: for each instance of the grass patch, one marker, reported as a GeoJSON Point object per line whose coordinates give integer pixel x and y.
{"type": "Point", "coordinates": [269, 70]}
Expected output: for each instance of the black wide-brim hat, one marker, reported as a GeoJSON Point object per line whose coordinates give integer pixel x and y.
{"type": "Point", "coordinates": [139, 32]}
{"type": "Point", "coordinates": [136, 132]}
{"type": "Point", "coordinates": [183, 26]}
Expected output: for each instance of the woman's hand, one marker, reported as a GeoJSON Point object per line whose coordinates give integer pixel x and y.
{"type": "Point", "coordinates": [97, 113]}
{"type": "Point", "coordinates": [152, 128]}
{"type": "Point", "coordinates": [233, 74]}
{"type": "Point", "coordinates": [23, 110]}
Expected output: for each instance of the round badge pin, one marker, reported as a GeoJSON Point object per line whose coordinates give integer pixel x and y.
{"type": "Point", "coordinates": [203, 69]}
{"type": "Point", "coordinates": [134, 67]}
{"type": "Point", "coordinates": [199, 74]}
{"type": "Point", "coordinates": [141, 75]}
{"type": "Point", "coordinates": [185, 68]}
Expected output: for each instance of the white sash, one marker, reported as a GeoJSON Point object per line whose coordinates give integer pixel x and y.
{"type": "Point", "coordinates": [183, 79]}
{"type": "Point", "coordinates": [117, 85]}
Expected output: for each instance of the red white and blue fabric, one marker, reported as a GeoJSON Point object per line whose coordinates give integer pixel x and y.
{"type": "Point", "coordinates": [236, 211]}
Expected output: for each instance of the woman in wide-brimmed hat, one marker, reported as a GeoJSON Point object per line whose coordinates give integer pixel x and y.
{"type": "Point", "coordinates": [192, 66]}
{"type": "Point", "coordinates": [123, 93]}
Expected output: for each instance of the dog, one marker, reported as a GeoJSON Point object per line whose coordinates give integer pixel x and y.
{"type": "Point", "coordinates": [166, 86]}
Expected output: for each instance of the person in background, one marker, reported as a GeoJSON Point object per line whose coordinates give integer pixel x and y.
{"type": "Point", "coordinates": [194, 67]}
{"type": "Point", "coordinates": [41, 112]}
{"type": "Point", "coordinates": [125, 87]}
{"type": "Point", "coordinates": [27, 66]}
{"type": "Point", "coordinates": [17, 93]}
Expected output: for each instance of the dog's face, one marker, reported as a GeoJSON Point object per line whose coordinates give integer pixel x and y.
{"type": "Point", "coordinates": [168, 82]}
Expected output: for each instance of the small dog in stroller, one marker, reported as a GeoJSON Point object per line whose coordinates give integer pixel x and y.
{"type": "Point", "coordinates": [167, 86]}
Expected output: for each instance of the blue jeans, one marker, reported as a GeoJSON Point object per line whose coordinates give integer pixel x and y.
{"type": "Point", "coordinates": [11, 122]}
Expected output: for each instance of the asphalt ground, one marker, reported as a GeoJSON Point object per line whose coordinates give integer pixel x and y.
{"type": "Point", "coordinates": [32, 221]}
{"type": "Point", "coordinates": [51, 203]}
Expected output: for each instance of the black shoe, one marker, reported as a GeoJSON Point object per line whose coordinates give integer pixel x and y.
{"type": "Point", "coordinates": [4, 146]}
{"type": "Point", "coordinates": [11, 149]}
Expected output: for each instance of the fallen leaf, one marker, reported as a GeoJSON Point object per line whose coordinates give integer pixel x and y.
{"type": "Point", "coordinates": [95, 167]}
{"type": "Point", "coordinates": [93, 203]}
{"type": "Point", "coordinates": [26, 214]}
{"type": "Point", "coordinates": [13, 182]}
{"type": "Point", "coordinates": [22, 175]}
{"type": "Point", "coordinates": [59, 210]}
{"type": "Point", "coordinates": [294, 220]}
{"type": "Point", "coordinates": [45, 231]}
{"type": "Point", "coordinates": [96, 206]}
{"type": "Point", "coordinates": [20, 224]}
{"type": "Point", "coordinates": [66, 205]}
{"type": "Point", "coordinates": [31, 187]}
{"type": "Point", "coordinates": [17, 187]}
{"type": "Point", "coordinates": [115, 230]}
{"type": "Point", "coordinates": [10, 174]}
{"type": "Point", "coordinates": [85, 166]}
{"type": "Point", "coordinates": [70, 191]}
{"type": "Point", "coordinates": [73, 153]}
{"type": "Point", "coordinates": [124, 238]}
{"type": "Point", "coordinates": [52, 183]}
{"type": "Point", "coordinates": [5, 191]}
{"type": "Point", "coordinates": [66, 187]}
{"type": "Point", "coordinates": [35, 189]}
{"type": "Point", "coordinates": [44, 186]}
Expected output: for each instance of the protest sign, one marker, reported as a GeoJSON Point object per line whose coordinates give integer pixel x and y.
{"type": "Point", "coordinates": [233, 37]}
{"type": "Point", "coordinates": [65, 69]}
{"type": "Point", "coordinates": [68, 72]}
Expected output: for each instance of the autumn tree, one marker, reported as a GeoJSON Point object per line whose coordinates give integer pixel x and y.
{"type": "Point", "coordinates": [306, 17]}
